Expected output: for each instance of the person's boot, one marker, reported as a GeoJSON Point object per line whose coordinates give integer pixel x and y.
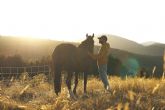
{"type": "Point", "coordinates": [71, 95]}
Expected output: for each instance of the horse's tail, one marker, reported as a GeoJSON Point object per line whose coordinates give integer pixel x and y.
{"type": "Point", "coordinates": [57, 79]}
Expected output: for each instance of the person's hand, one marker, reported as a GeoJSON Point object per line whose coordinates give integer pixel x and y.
{"type": "Point", "coordinates": [92, 55]}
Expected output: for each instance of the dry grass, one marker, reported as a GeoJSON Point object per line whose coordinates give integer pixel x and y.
{"type": "Point", "coordinates": [129, 94]}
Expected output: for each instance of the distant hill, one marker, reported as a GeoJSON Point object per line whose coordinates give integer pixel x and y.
{"type": "Point", "coordinates": [123, 49]}
{"type": "Point", "coordinates": [29, 49]}
{"type": "Point", "coordinates": [133, 47]}
{"type": "Point", "coordinates": [14, 45]}
{"type": "Point", "coordinates": [148, 43]}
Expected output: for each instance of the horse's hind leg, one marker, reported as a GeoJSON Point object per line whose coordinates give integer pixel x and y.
{"type": "Point", "coordinates": [68, 80]}
{"type": "Point", "coordinates": [57, 80]}
{"type": "Point", "coordinates": [85, 82]}
{"type": "Point", "coordinates": [76, 83]}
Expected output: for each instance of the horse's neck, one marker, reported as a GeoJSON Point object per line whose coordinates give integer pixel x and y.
{"type": "Point", "coordinates": [84, 48]}
{"type": "Point", "coordinates": [81, 50]}
{"type": "Point", "coordinates": [81, 45]}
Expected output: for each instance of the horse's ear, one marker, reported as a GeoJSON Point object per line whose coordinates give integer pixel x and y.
{"type": "Point", "coordinates": [87, 35]}
{"type": "Point", "coordinates": [93, 35]}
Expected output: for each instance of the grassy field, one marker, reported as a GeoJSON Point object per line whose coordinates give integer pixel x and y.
{"type": "Point", "coordinates": [37, 94]}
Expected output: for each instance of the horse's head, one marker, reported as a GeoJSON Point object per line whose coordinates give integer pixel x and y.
{"type": "Point", "coordinates": [88, 43]}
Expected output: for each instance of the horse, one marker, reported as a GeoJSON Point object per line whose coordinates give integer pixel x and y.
{"type": "Point", "coordinates": [67, 57]}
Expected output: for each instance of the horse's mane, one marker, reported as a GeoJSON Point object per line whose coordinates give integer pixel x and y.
{"type": "Point", "coordinates": [83, 45]}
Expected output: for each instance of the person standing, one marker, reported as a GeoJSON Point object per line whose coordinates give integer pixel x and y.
{"type": "Point", "coordinates": [102, 60]}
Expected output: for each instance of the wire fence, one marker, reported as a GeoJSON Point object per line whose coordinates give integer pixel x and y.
{"type": "Point", "coordinates": [9, 72]}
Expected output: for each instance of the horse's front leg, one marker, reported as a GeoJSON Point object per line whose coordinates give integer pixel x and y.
{"type": "Point", "coordinates": [68, 80]}
{"type": "Point", "coordinates": [76, 83]}
{"type": "Point", "coordinates": [68, 83]}
{"type": "Point", "coordinates": [85, 82]}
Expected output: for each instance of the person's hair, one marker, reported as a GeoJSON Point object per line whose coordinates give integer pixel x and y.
{"type": "Point", "coordinates": [104, 37]}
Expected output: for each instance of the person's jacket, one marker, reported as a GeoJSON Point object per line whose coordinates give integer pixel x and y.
{"type": "Point", "coordinates": [102, 56]}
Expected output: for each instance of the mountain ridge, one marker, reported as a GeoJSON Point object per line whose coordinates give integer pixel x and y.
{"type": "Point", "coordinates": [156, 49]}
{"type": "Point", "coordinates": [36, 49]}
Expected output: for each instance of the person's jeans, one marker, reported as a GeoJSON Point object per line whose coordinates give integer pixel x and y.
{"type": "Point", "coordinates": [102, 69]}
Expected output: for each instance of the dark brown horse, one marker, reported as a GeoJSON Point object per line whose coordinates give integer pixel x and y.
{"type": "Point", "coordinates": [72, 59]}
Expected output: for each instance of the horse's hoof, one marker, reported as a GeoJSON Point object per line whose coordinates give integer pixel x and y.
{"type": "Point", "coordinates": [72, 96]}
{"type": "Point", "coordinates": [85, 96]}
{"type": "Point", "coordinates": [74, 92]}
{"type": "Point", "coordinates": [57, 94]}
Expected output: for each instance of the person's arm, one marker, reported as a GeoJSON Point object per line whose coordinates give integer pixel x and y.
{"type": "Point", "coordinates": [97, 56]}
{"type": "Point", "coordinates": [103, 52]}
{"type": "Point", "coordinates": [94, 56]}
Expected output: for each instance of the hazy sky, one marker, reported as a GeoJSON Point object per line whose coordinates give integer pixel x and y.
{"type": "Point", "coordinates": [138, 20]}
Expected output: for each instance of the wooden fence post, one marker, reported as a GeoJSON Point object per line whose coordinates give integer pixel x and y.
{"type": "Point", "coordinates": [163, 65]}
{"type": "Point", "coordinates": [24, 70]}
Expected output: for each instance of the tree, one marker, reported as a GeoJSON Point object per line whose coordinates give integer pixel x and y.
{"type": "Point", "coordinates": [114, 65]}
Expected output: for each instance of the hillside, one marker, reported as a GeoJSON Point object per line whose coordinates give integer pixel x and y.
{"type": "Point", "coordinates": [143, 61]}
{"type": "Point", "coordinates": [35, 49]}
{"type": "Point", "coordinates": [40, 47]}
{"type": "Point", "coordinates": [133, 47]}
{"type": "Point", "coordinates": [28, 48]}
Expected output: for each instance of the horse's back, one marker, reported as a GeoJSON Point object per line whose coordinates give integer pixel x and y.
{"type": "Point", "coordinates": [65, 56]}
{"type": "Point", "coordinates": [65, 50]}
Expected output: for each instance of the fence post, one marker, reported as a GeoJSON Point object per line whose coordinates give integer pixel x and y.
{"type": "Point", "coordinates": [38, 70]}
{"type": "Point", "coordinates": [10, 70]}
{"type": "Point", "coordinates": [0, 73]}
{"type": "Point", "coordinates": [44, 70]}
{"type": "Point", "coordinates": [24, 69]}
{"type": "Point", "coordinates": [153, 71]}
{"type": "Point", "coordinates": [31, 70]}
{"type": "Point", "coordinates": [9, 76]}
{"type": "Point", "coordinates": [163, 65]}
{"type": "Point", "coordinates": [50, 75]}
